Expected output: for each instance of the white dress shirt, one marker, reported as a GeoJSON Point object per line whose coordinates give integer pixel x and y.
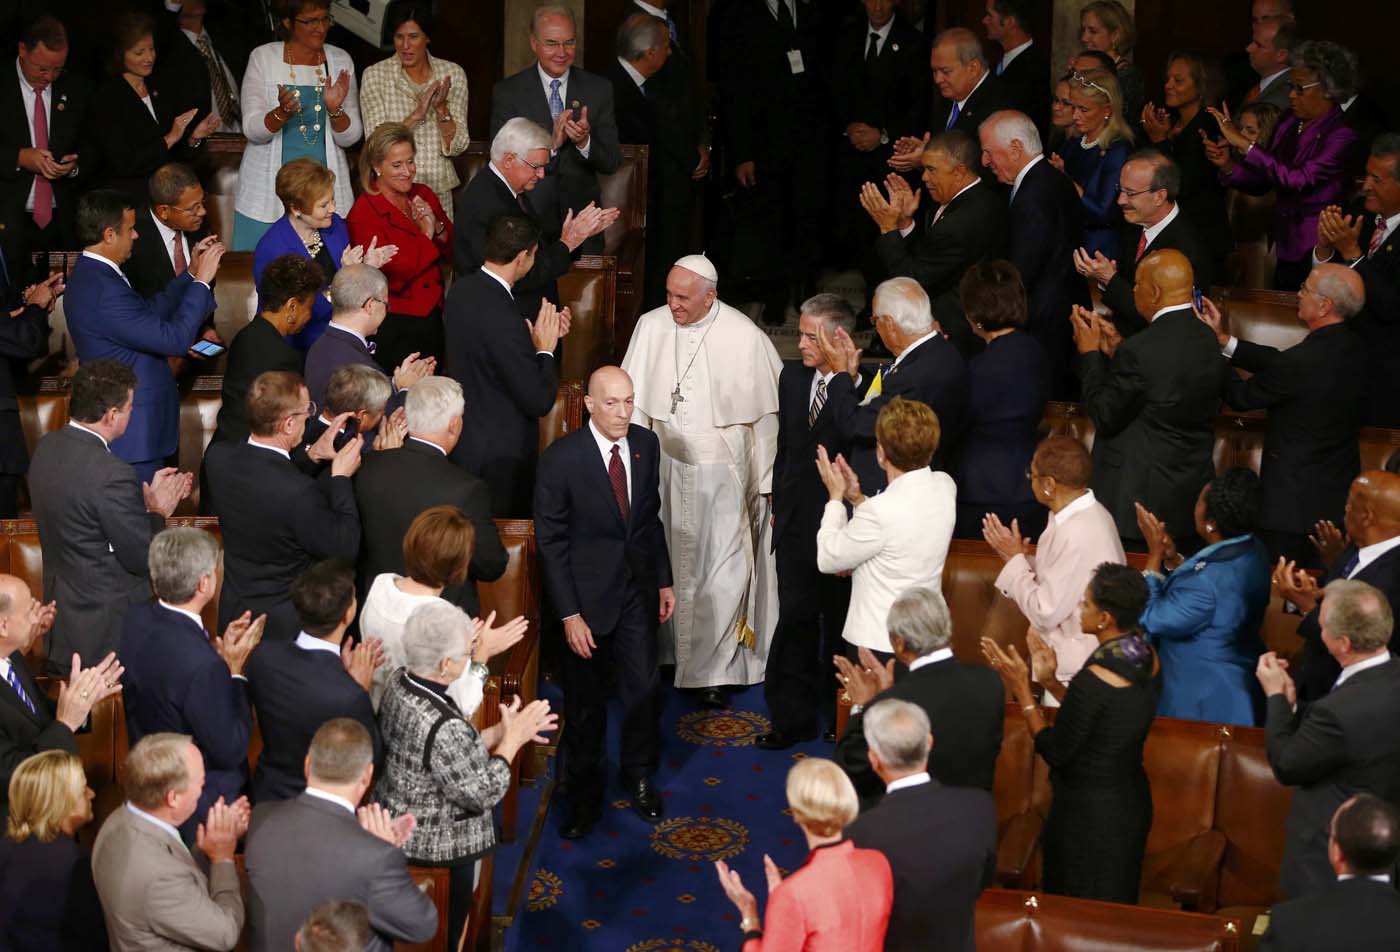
{"type": "Point", "coordinates": [1267, 81]}
{"type": "Point", "coordinates": [341, 802]}
{"type": "Point", "coordinates": [1369, 553]}
{"type": "Point", "coordinates": [912, 345]}
{"type": "Point", "coordinates": [1154, 230]}
{"type": "Point", "coordinates": [311, 643]}
{"type": "Point", "coordinates": [818, 377]}
{"type": "Point", "coordinates": [1356, 667]}
{"type": "Point", "coordinates": [419, 439]}
{"type": "Point", "coordinates": [1165, 310]}
{"type": "Point", "coordinates": [905, 232]}
{"type": "Point", "coordinates": [962, 103]}
{"type": "Point", "coordinates": [933, 657]}
{"type": "Point", "coordinates": [546, 80]}
{"type": "Point", "coordinates": [253, 441]}
{"type": "Point", "coordinates": [499, 280]}
{"type": "Point", "coordinates": [637, 78]}
{"type": "Point", "coordinates": [109, 263]}
{"type": "Point", "coordinates": [1016, 185]}
{"type": "Point", "coordinates": [913, 780]}
{"type": "Point", "coordinates": [75, 423]}
{"type": "Point", "coordinates": [27, 93]}
{"type": "Point", "coordinates": [167, 240]}
{"type": "Point", "coordinates": [883, 33]}
{"type": "Point", "coordinates": [605, 446]}
{"type": "Point", "coordinates": [157, 822]}
{"type": "Point", "coordinates": [350, 330]}
{"type": "Point", "coordinates": [492, 166]}
{"type": "Point", "coordinates": [1014, 52]}
{"type": "Point", "coordinates": [1079, 504]}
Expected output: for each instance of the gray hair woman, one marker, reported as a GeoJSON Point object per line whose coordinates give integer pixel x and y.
{"type": "Point", "coordinates": [437, 765]}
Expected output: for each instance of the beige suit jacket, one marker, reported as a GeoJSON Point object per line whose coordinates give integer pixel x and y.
{"type": "Point", "coordinates": [155, 896]}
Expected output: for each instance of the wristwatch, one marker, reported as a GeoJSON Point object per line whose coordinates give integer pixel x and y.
{"type": "Point", "coordinates": [884, 137]}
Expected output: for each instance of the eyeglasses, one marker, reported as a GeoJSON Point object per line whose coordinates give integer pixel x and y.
{"type": "Point", "coordinates": [384, 301]}
{"type": "Point", "coordinates": [310, 410]}
{"type": "Point", "coordinates": [537, 168]}
{"type": "Point", "coordinates": [1300, 88]}
{"type": "Point", "coordinates": [554, 46]}
{"type": "Point", "coordinates": [196, 209]}
{"type": "Point", "coordinates": [1130, 193]}
{"type": "Point", "coordinates": [1082, 80]}
{"type": "Point", "coordinates": [315, 22]}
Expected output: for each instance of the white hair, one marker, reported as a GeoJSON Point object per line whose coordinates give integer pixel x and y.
{"type": "Point", "coordinates": [354, 284]}
{"type": "Point", "coordinates": [898, 732]}
{"type": "Point", "coordinates": [432, 404]}
{"type": "Point", "coordinates": [433, 632]}
{"type": "Point", "coordinates": [1008, 126]}
{"type": "Point", "coordinates": [907, 304]}
{"type": "Point", "coordinates": [177, 559]}
{"type": "Point", "coordinates": [517, 137]}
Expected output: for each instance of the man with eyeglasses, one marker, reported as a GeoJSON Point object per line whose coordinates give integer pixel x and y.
{"type": "Point", "coordinates": [575, 104]}
{"type": "Point", "coordinates": [42, 125]}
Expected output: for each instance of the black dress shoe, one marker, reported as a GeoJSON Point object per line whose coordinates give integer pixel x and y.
{"type": "Point", "coordinates": [782, 740]}
{"type": "Point", "coordinates": [714, 697]}
{"type": "Point", "coordinates": [646, 802]}
{"type": "Point", "coordinates": [578, 822]}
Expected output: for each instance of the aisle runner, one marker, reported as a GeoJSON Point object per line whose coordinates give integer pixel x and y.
{"type": "Point", "coordinates": [633, 887]}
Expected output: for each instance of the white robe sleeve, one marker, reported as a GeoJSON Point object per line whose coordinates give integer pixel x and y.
{"type": "Point", "coordinates": [844, 546]}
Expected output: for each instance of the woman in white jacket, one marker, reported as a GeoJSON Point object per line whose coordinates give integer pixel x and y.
{"type": "Point", "coordinates": [894, 541]}
{"type": "Point", "coordinates": [299, 99]}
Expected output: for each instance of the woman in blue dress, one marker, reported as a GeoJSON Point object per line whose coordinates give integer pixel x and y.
{"type": "Point", "coordinates": [1204, 615]}
{"type": "Point", "coordinates": [1094, 156]}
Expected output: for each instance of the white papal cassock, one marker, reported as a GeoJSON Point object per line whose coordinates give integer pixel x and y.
{"type": "Point", "coordinates": [717, 450]}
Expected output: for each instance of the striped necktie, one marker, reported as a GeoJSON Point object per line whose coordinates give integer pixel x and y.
{"type": "Point", "coordinates": [818, 401]}
{"type": "Point", "coordinates": [14, 683]}
{"type": "Point", "coordinates": [1377, 237]}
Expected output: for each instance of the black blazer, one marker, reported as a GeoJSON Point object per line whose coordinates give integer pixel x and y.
{"type": "Point", "coordinates": [487, 196]}
{"type": "Point", "coordinates": [129, 142]}
{"type": "Point", "coordinates": [255, 349]}
{"type": "Point", "coordinates": [1356, 913]}
{"type": "Point", "coordinates": [1319, 669]}
{"type": "Point", "coordinates": [335, 349]}
{"type": "Point", "coordinates": [972, 228]}
{"type": "Point", "coordinates": [276, 522]}
{"type": "Point", "coordinates": [576, 177]}
{"type": "Point", "coordinates": [1328, 753]}
{"type": "Point", "coordinates": [1046, 225]}
{"type": "Point", "coordinates": [22, 339]}
{"type": "Point", "coordinates": [941, 843]}
{"type": "Point", "coordinates": [24, 733]}
{"type": "Point", "coordinates": [1202, 196]}
{"type": "Point", "coordinates": [181, 68]}
{"type": "Point", "coordinates": [668, 121]}
{"type": "Point", "coordinates": [1315, 393]}
{"type": "Point", "coordinates": [1180, 235]}
{"type": "Point", "coordinates": [175, 681]}
{"type": "Point", "coordinates": [1027, 85]}
{"type": "Point", "coordinates": [1379, 325]}
{"type": "Point", "coordinates": [68, 135]}
{"type": "Point", "coordinates": [588, 554]}
{"type": "Point", "coordinates": [799, 496]}
{"type": "Point", "coordinates": [892, 93]}
{"type": "Point", "coordinates": [295, 690]}
{"type": "Point", "coordinates": [508, 386]}
{"type": "Point", "coordinates": [966, 707]}
{"type": "Point", "coordinates": [48, 901]}
{"type": "Point", "coordinates": [1154, 407]}
{"type": "Point", "coordinates": [992, 96]}
{"type": "Point", "coordinates": [933, 373]}
{"type": "Point", "coordinates": [1007, 386]}
{"type": "Point", "coordinates": [393, 486]}
{"type": "Point", "coordinates": [149, 268]}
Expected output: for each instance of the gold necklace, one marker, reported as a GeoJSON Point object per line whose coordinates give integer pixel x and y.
{"type": "Point", "coordinates": [321, 83]}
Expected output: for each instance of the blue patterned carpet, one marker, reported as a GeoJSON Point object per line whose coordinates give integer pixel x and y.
{"type": "Point", "coordinates": [633, 887]}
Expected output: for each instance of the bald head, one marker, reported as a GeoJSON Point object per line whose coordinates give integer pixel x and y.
{"type": "Point", "coordinates": [1373, 507]}
{"type": "Point", "coordinates": [16, 601]}
{"type": "Point", "coordinates": [1334, 293]}
{"type": "Point", "coordinates": [609, 401]}
{"type": "Point", "coordinates": [1164, 279]}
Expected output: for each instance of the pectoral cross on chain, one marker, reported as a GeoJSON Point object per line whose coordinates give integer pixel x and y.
{"type": "Point", "coordinates": [676, 398]}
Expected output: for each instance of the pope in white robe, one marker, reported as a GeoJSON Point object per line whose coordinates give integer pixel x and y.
{"type": "Point", "coordinates": [707, 384]}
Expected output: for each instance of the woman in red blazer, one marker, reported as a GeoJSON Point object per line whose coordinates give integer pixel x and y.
{"type": "Point", "coordinates": [395, 210]}
{"type": "Point", "coordinates": [839, 901]}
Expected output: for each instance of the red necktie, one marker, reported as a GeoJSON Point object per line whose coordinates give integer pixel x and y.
{"type": "Point", "coordinates": [1142, 245]}
{"type": "Point", "coordinates": [1377, 236]}
{"type": "Point", "coordinates": [43, 188]}
{"type": "Point", "coordinates": [1253, 94]}
{"type": "Point", "coordinates": [181, 266]}
{"type": "Point", "coordinates": [617, 475]}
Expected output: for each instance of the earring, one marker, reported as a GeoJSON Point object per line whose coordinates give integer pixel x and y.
{"type": "Point", "coordinates": [1102, 625]}
{"type": "Point", "coordinates": [1210, 527]}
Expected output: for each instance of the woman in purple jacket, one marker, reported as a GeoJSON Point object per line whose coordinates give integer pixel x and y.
{"type": "Point", "coordinates": [1305, 163]}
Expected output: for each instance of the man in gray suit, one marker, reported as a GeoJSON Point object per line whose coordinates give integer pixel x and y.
{"type": "Point", "coordinates": [156, 896]}
{"type": "Point", "coordinates": [1269, 52]}
{"type": "Point", "coordinates": [96, 518]}
{"type": "Point", "coordinates": [576, 105]}
{"type": "Point", "coordinates": [311, 849]}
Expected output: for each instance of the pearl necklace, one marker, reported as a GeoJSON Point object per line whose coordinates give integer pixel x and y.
{"type": "Point", "coordinates": [321, 83]}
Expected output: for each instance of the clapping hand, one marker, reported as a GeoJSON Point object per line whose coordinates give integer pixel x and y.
{"type": "Point", "coordinates": [578, 130]}
{"type": "Point", "coordinates": [40, 619]}
{"type": "Point", "coordinates": [903, 198]}
{"type": "Point", "coordinates": [85, 688]}
{"type": "Point", "coordinates": [336, 92]}
{"type": "Point", "coordinates": [1296, 586]}
{"type": "Point", "coordinates": [288, 100]}
{"type": "Point", "coordinates": [590, 220]}
{"type": "Point", "coordinates": [392, 431]}
{"type": "Point", "coordinates": [523, 724]}
{"type": "Point", "coordinates": [881, 210]}
{"type": "Point", "coordinates": [46, 292]}
{"type": "Point", "coordinates": [1055, 159]}
{"type": "Point", "coordinates": [838, 350]}
{"type": "Point", "coordinates": [1218, 152]}
{"type": "Point", "coordinates": [240, 638]}
{"type": "Point", "coordinates": [217, 837]}
{"type": "Point", "coordinates": [377, 821]}
{"type": "Point", "coordinates": [1088, 332]}
{"type": "Point", "coordinates": [1096, 266]}
{"type": "Point", "coordinates": [1156, 122]}
{"type": "Point", "coordinates": [413, 369]}
{"type": "Point", "coordinates": [1328, 540]}
{"type": "Point", "coordinates": [1160, 546]}
{"type": "Point", "coordinates": [853, 495]}
{"type": "Point", "coordinates": [832, 476]}
{"type": "Point", "coordinates": [1007, 543]}
{"type": "Point", "coordinates": [489, 641]}
{"type": "Point", "coordinates": [908, 152]}
{"type": "Point", "coordinates": [423, 216]}
{"type": "Point", "coordinates": [549, 325]}
{"type": "Point", "coordinates": [864, 681]}
{"type": "Point", "coordinates": [347, 459]}
{"type": "Point", "coordinates": [863, 138]}
{"type": "Point", "coordinates": [206, 127]}
{"type": "Point", "coordinates": [1272, 672]}
{"type": "Point", "coordinates": [178, 127]}
{"type": "Point", "coordinates": [733, 885]}
{"type": "Point", "coordinates": [1228, 130]}
{"type": "Point", "coordinates": [1339, 232]}
{"type": "Point", "coordinates": [1044, 662]}
{"type": "Point", "coordinates": [165, 490]}
{"type": "Point", "coordinates": [362, 661]}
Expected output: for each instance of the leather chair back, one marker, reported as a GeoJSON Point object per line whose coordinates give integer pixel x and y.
{"type": "Point", "coordinates": [1251, 219]}
{"type": "Point", "coordinates": [977, 608]}
{"type": "Point", "coordinates": [1182, 759]}
{"type": "Point", "coordinates": [236, 299]}
{"type": "Point", "coordinates": [45, 411]}
{"type": "Point", "coordinates": [1264, 317]}
{"type": "Point", "coordinates": [1010, 920]}
{"type": "Point", "coordinates": [589, 290]}
{"type": "Point", "coordinates": [1251, 807]}
{"type": "Point", "coordinates": [223, 154]}
{"type": "Point", "coordinates": [565, 416]}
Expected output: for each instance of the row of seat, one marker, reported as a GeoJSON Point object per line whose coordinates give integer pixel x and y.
{"type": "Point", "coordinates": [1018, 921]}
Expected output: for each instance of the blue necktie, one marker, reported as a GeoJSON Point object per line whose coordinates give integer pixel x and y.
{"type": "Point", "coordinates": [671, 28]}
{"type": "Point", "coordinates": [1001, 65]}
{"type": "Point", "coordinates": [14, 683]}
{"type": "Point", "coordinates": [556, 105]}
{"type": "Point", "coordinates": [1350, 564]}
{"type": "Point", "coordinates": [953, 116]}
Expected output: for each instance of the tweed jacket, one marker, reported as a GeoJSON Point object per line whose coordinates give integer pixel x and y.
{"type": "Point", "coordinates": [437, 768]}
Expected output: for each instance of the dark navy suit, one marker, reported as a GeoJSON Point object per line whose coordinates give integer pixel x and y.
{"type": "Point", "coordinates": [109, 320]}
{"type": "Point", "coordinates": [175, 681]}
{"type": "Point", "coordinates": [282, 239]}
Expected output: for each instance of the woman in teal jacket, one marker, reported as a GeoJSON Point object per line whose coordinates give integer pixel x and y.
{"type": "Point", "coordinates": [1203, 616]}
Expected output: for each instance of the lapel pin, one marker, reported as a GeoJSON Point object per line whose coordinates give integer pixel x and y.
{"type": "Point", "coordinates": [895, 47]}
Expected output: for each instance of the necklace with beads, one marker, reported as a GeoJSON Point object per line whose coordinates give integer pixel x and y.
{"type": "Point", "coordinates": [321, 83]}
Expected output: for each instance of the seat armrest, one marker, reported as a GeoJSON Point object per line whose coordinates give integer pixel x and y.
{"type": "Point", "coordinates": [1016, 849]}
{"type": "Point", "coordinates": [1193, 879]}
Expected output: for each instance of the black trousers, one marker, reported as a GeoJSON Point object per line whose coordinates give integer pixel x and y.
{"type": "Point", "coordinates": [9, 495]}
{"type": "Point", "coordinates": [800, 683]}
{"type": "Point", "coordinates": [404, 334]}
{"type": "Point", "coordinates": [630, 648]}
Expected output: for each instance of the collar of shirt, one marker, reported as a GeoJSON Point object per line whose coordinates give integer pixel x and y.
{"type": "Point", "coordinates": [605, 445]}
{"type": "Point", "coordinates": [156, 821]}
{"type": "Point", "coordinates": [1390, 224]}
{"type": "Point", "coordinates": [1078, 505]}
{"type": "Point", "coordinates": [351, 330]}
{"type": "Point", "coordinates": [631, 71]}
{"type": "Point", "coordinates": [883, 33]}
{"type": "Point", "coordinates": [1350, 102]}
{"type": "Point", "coordinates": [1369, 553]}
{"type": "Point", "coordinates": [109, 263]}
{"type": "Point", "coordinates": [1014, 52]}
{"type": "Point", "coordinates": [1378, 877]}
{"type": "Point", "coordinates": [497, 172]}
{"type": "Point", "coordinates": [253, 441]}
{"type": "Point", "coordinates": [498, 279]}
{"type": "Point", "coordinates": [1267, 81]}
{"type": "Point", "coordinates": [817, 378]}
{"type": "Point", "coordinates": [933, 657]}
{"type": "Point", "coordinates": [311, 643]}
{"type": "Point", "coordinates": [910, 349]}
{"type": "Point", "coordinates": [419, 439]}
{"type": "Point", "coordinates": [93, 432]}
{"type": "Point", "coordinates": [657, 12]}
{"type": "Point", "coordinates": [1154, 230]}
{"type": "Point", "coordinates": [962, 103]}
{"type": "Point", "coordinates": [167, 239]}
{"type": "Point", "coordinates": [1022, 174]}
{"type": "Point", "coordinates": [183, 611]}
{"type": "Point", "coordinates": [790, 4]}
{"type": "Point", "coordinates": [1356, 667]}
{"type": "Point", "coordinates": [1167, 310]}
{"type": "Point", "coordinates": [546, 79]}
{"type": "Point", "coordinates": [330, 798]}
{"type": "Point", "coordinates": [903, 783]}
{"type": "Point", "coordinates": [28, 90]}
{"type": "Point", "coordinates": [4, 669]}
